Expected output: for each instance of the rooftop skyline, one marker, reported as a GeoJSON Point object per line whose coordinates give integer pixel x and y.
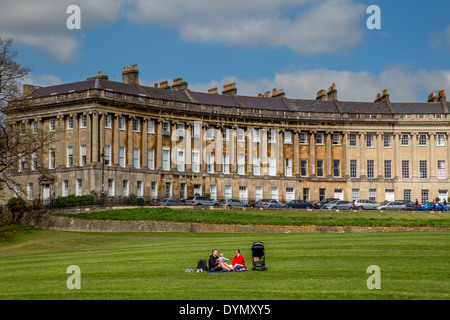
{"type": "Point", "coordinates": [298, 45]}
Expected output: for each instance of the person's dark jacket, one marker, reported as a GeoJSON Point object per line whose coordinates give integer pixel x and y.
{"type": "Point", "coordinates": [213, 264]}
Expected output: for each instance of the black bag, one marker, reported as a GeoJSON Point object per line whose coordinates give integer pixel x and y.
{"type": "Point", "coordinates": [201, 264]}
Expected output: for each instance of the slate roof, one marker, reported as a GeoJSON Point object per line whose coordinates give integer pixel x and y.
{"type": "Point", "coordinates": [264, 103]}
{"type": "Point", "coordinates": [312, 105]}
{"type": "Point", "coordinates": [215, 99]}
{"type": "Point", "coordinates": [252, 102]}
{"type": "Point", "coordinates": [166, 94]}
{"type": "Point", "coordinates": [417, 107]}
{"type": "Point", "coordinates": [364, 107]}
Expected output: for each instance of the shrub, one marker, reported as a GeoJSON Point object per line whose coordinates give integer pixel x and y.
{"type": "Point", "coordinates": [16, 204]}
{"type": "Point", "coordinates": [72, 201]}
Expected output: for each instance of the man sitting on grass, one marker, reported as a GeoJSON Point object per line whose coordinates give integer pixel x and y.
{"type": "Point", "coordinates": [217, 265]}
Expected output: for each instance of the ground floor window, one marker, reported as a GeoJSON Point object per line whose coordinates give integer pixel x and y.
{"type": "Point", "coordinates": [274, 193]}
{"type": "Point", "coordinates": [407, 194]}
{"type": "Point", "coordinates": [373, 195]}
{"type": "Point", "coordinates": [424, 196]}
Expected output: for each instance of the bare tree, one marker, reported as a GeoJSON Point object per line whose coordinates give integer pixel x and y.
{"type": "Point", "coordinates": [21, 144]}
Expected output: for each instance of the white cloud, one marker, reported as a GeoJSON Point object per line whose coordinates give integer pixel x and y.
{"type": "Point", "coordinates": [42, 24]}
{"type": "Point", "coordinates": [320, 26]}
{"type": "Point", "coordinates": [403, 83]}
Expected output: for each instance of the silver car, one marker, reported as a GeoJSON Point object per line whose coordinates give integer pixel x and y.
{"type": "Point", "coordinates": [201, 201]}
{"type": "Point", "coordinates": [232, 203]}
{"type": "Point", "coordinates": [269, 203]}
{"type": "Point", "coordinates": [339, 205]}
{"type": "Point", "coordinates": [392, 205]}
{"type": "Point", "coordinates": [171, 202]}
{"type": "Point", "coordinates": [361, 204]}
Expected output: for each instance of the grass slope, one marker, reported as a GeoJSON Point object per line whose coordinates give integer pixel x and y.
{"type": "Point", "coordinates": [33, 265]}
{"type": "Point", "coordinates": [275, 217]}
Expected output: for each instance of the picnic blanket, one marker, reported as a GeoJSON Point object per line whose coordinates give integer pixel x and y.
{"type": "Point", "coordinates": [241, 270]}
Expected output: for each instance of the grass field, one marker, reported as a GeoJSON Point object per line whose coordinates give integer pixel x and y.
{"type": "Point", "coordinates": [33, 265]}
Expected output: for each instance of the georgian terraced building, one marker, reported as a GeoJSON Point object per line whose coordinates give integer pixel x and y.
{"type": "Point", "coordinates": [169, 141]}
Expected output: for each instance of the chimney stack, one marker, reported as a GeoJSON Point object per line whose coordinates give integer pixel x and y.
{"type": "Point", "coordinates": [99, 76]}
{"type": "Point", "coordinates": [130, 75]}
{"type": "Point", "coordinates": [332, 92]}
{"type": "Point", "coordinates": [382, 98]}
{"type": "Point", "coordinates": [321, 95]}
{"type": "Point", "coordinates": [179, 85]}
{"type": "Point", "coordinates": [441, 96]}
{"type": "Point", "coordinates": [432, 97]}
{"type": "Point", "coordinates": [278, 93]}
{"type": "Point", "coordinates": [229, 89]}
{"type": "Point", "coordinates": [212, 90]}
{"type": "Point", "coordinates": [164, 85]}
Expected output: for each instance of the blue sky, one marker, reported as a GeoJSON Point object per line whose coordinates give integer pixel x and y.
{"type": "Point", "coordinates": [299, 45]}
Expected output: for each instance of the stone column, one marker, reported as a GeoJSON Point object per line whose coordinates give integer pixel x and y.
{"type": "Point", "coordinates": [397, 158]}
{"type": "Point", "coordinates": [218, 150]}
{"type": "Point", "coordinates": [89, 137]}
{"type": "Point", "coordinates": [76, 147]}
{"type": "Point", "coordinates": [447, 163]}
{"type": "Point", "coordinates": [432, 150]}
{"type": "Point", "coordinates": [95, 138]}
{"type": "Point", "coordinates": [159, 144]}
{"type": "Point", "coordinates": [296, 160]}
{"type": "Point", "coordinates": [312, 153]}
{"type": "Point", "coordinates": [115, 148]}
{"type": "Point", "coordinates": [144, 140]}
{"type": "Point", "coordinates": [362, 155]}
{"type": "Point", "coordinates": [60, 151]}
{"type": "Point", "coordinates": [188, 147]}
{"type": "Point", "coordinates": [101, 135]}
{"type": "Point", "coordinates": [380, 161]}
{"type": "Point", "coordinates": [130, 142]}
{"type": "Point", "coordinates": [345, 155]}
{"type": "Point", "coordinates": [328, 146]}
{"type": "Point", "coordinates": [281, 152]}
{"type": "Point", "coordinates": [249, 137]}
{"type": "Point", "coordinates": [415, 163]}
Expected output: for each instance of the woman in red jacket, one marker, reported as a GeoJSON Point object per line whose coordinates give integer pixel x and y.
{"type": "Point", "coordinates": [238, 259]}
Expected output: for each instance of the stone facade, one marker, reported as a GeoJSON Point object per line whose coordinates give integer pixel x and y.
{"type": "Point", "coordinates": [168, 141]}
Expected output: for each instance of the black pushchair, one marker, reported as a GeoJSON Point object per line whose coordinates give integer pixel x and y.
{"type": "Point", "coordinates": [258, 256]}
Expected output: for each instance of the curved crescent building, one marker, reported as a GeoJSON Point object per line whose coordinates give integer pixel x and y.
{"type": "Point", "coordinates": [167, 141]}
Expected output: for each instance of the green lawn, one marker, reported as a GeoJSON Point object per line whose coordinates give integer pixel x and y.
{"type": "Point", "coordinates": [276, 217]}
{"type": "Point", "coordinates": [33, 263]}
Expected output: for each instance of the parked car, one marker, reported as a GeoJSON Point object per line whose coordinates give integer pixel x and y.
{"type": "Point", "coordinates": [338, 205]}
{"type": "Point", "coordinates": [231, 203]}
{"type": "Point", "coordinates": [363, 204]}
{"type": "Point", "coordinates": [299, 204]}
{"type": "Point", "coordinates": [411, 206]}
{"type": "Point", "coordinates": [201, 201]}
{"type": "Point", "coordinates": [171, 202]}
{"type": "Point", "coordinates": [269, 203]}
{"type": "Point", "coordinates": [429, 207]}
{"type": "Point", "coordinates": [319, 205]}
{"type": "Point", "coordinates": [392, 205]}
